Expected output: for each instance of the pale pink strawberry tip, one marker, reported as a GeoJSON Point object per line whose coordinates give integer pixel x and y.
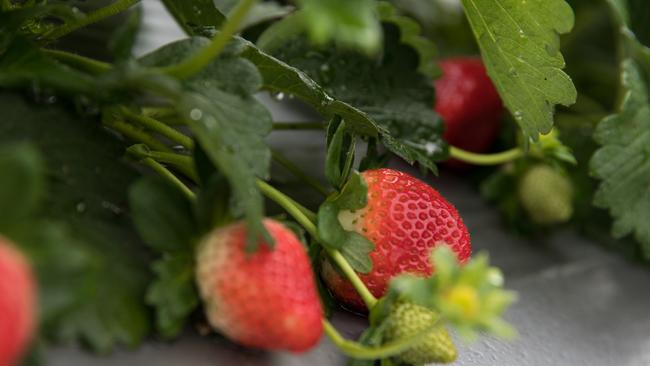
{"type": "Point", "coordinates": [266, 300]}
{"type": "Point", "coordinates": [17, 304]}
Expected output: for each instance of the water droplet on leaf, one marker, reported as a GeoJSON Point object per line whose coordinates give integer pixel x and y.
{"type": "Point", "coordinates": [196, 114]}
{"type": "Point", "coordinates": [519, 115]}
{"type": "Point", "coordinates": [431, 148]}
{"type": "Point", "coordinates": [81, 207]}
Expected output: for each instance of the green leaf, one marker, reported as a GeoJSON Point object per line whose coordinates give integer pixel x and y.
{"type": "Point", "coordinates": [390, 91]}
{"type": "Point", "coordinates": [354, 195]}
{"type": "Point", "coordinates": [22, 185]}
{"type": "Point", "coordinates": [265, 11]}
{"type": "Point", "coordinates": [410, 35]}
{"type": "Point", "coordinates": [356, 250]}
{"type": "Point", "coordinates": [162, 215]}
{"type": "Point", "coordinates": [228, 123]}
{"type": "Point", "coordinates": [520, 44]}
{"type": "Point", "coordinates": [351, 23]}
{"type": "Point", "coordinates": [24, 65]}
{"type": "Point", "coordinates": [173, 293]}
{"type": "Point", "coordinates": [32, 20]}
{"type": "Point", "coordinates": [340, 154]}
{"type": "Point", "coordinates": [196, 17]}
{"type": "Point", "coordinates": [212, 207]}
{"type": "Point", "coordinates": [623, 162]}
{"type": "Point", "coordinates": [87, 193]}
{"type": "Point", "coordinates": [124, 37]}
{"type": "Point", "coordinates": [280, 77]}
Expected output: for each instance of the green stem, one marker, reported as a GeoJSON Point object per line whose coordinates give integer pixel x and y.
{"type": "Point", "coordinates": [359, 351]}
{"type": "Point", "coordinates": [95, 16]}
{"type": "Point", "coordinates": [161, 113]}
{"type": "Point", "coordinates": [199, 60]}
{"type": "Point", "coordinates": [368, 298]}
{"type": "Point", "coordinates": [280, 126]}
{"type": "Point", "coordinates": [182, 163]}
{"type": "Point", "coordinates": [295, 209]}
{"type": "Point", "coordinates": [80, 62]}
{"type": "Point", "coordinates": [159, 127]}
{"type": "Point", "coordinates": [485, 159]}
{"type": "Point", "coordinates": [137, 135]}
{"type": "Point", "coordinates": [165, 173]}
{"type": "Point", "coordinates": [288, 204]}
{"type": "Point", "coordinates": [295, 170]}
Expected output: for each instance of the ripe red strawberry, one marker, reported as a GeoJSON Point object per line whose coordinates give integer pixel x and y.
{"type": "Point", "coordinates": [267, 299]}
{"type": "Point", "coordinates": [405, 218]}
{"type": "Point", "coordinates": [468, 103]}
{"type": "Point", "coordinates": [17, 304]}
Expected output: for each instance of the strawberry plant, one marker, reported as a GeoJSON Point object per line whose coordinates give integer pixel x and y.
{"type": "Point", "coordinates": [138, 195]}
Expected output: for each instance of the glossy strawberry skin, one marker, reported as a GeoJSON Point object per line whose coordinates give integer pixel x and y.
{"type": "Point", "coordinates": [17, 304]}
{"type": "Point", "coordinates": [267, 299]}
{"type": "Point", "coordinates": [468, 103]}
{"type": "Point", "coordinates": [405, 218]}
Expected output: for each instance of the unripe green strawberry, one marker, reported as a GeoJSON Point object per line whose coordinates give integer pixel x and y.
{"type": "Point", "coordinates": [17, 304]}
{"type": "Point", "coordinates": [407, 319]}
{"type": "Point", "coordinates": [546, 195]}
{"type": "Point", "coordinates": [267, 299]}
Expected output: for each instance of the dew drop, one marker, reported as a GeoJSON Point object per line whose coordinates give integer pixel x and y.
{"type": "Point", "coordinates": [196, 114]}
{"type": "Point", "coordinates": [81, 207]}
{"type": "Point", "coordinates": [522, 34]}
{"type": "Point", "coordinates": [519, 115]}
{"type": "Point", "coordinates": [278, 96]}
{"type": "Point", "coordinates": [431, 148]}
{"type": "Point", "coordinates": [115, 209]}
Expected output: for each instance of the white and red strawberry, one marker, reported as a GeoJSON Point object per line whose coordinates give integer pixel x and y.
{"type": "Point", "coordinates": [405, 219]}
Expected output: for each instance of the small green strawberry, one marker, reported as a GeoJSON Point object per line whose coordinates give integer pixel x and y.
{"type": "Point", "coordinates": [407, 319]}
{"type": "Point", "coordinates": [546, 195]}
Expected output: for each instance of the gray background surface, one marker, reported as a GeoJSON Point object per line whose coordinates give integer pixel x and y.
{"type": "Point", "coordinates": [578, 304]}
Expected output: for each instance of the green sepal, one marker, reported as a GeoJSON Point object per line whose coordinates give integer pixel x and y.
{"type": "Point", "coordinates": [354, 247]}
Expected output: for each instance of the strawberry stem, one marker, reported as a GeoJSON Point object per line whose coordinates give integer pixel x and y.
{"type": "Point", "coordinates": [136, 134]}
{"type": "Point", "coordinates": [160, 127]}
{"type": "Point", "coordinates": [83, 63]}
{"type": "Point", "coordinates": [296, 171]}
{"type": "Point", "coordinates": [199, 60]}
{"type": "Point", "coordinates": [169, 176]}
{"type": "Point", "coordinates": [298, 214]}
{"type": "Point", "coordinates": [362, 352]}
{"type": "Point", "coordinates": [95, 16]}
{"type": "Point", "coordinates": [485, 159]}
